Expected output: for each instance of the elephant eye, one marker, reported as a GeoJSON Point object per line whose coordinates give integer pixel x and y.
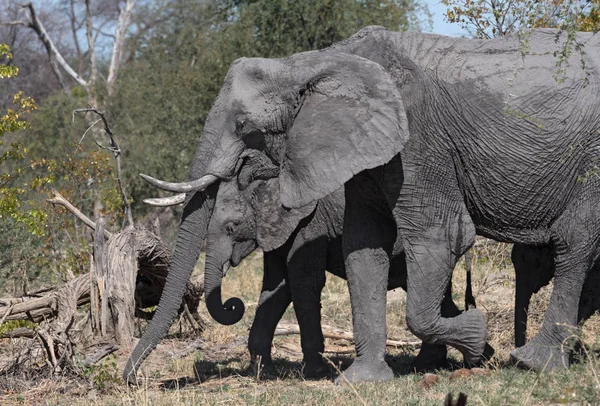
{"type": "Point", "coordinates": [230, 227]}
{"type": "Point", "coordinates": [239, 125]}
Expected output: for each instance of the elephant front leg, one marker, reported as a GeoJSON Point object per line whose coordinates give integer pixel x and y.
{"type": "Point", "coordinates": [369, 233]}
{"type": "Point", "coordinates": [275, 297]}
{"type": "Point", "coordinates": [307, 277]}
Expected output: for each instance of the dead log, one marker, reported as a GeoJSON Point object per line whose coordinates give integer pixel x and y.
{"type": "Point", "coordinates": [335, 333]}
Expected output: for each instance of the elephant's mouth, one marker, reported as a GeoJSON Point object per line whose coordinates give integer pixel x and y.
{"type": "Point", "coordinates": [226, 267]}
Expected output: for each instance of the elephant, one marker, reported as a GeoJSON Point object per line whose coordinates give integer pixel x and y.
{"type": "Point", "coordinates": [534, 268]}
{"type": "Point", "coordinates": [435, 139]}
{"type": "Point", "coordinates": [298, 247]}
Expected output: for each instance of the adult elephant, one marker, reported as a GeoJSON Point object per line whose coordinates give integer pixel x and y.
{"type": "Point", "coordinates": [450, 137]}
{"type": "Point", "coordinates": [299, 245]}
{"type": "Point", "coordinates": [534, 268]}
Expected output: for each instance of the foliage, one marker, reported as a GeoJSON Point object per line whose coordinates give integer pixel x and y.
{"type": "Point", "coordinates": [13, 157]}
{"type": "Point", "coordinates": [166, 91]}
{"type": "Point", "coordinates": [492, 18]}
{"type": "Point", "coordinates": [104, 375]}
{"type": "Point", "coordinates": [277, 28]}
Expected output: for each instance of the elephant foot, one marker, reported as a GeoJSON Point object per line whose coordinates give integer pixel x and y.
{"type": "Point", "coordinates": [473, 335]}
{"type": "Point", "coordinates": [488, 353]}
{"type": "Point", "coordinates": [365, 372]}
{"type": "Point", "coordinates": [540, 357]}
{"type": "Point", "coordinates": [261, 366]}
{"type": "Point", "coordinates": [316, 369]}
{"type": "Point", "coordinates": [430, 358]}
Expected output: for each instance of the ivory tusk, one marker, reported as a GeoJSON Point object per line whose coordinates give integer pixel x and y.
{"type": "Point", "coordinates": [166, 201]}
{"type": "Point", "coordinates": [181, 187]}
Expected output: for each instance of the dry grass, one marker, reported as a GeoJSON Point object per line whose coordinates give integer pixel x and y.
{"type": "Point", "coordinates": [220, 376]}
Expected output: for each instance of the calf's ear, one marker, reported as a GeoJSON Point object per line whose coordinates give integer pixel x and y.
{"type": "Point", "coordinates": [351, 118]}
{"type": "Point", "coordinates": [274, 223]}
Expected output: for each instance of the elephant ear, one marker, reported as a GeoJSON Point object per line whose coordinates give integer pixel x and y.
{"type": "Point", "coordinates": [352, 118]}
{"type": "Point", "coordinates": [254, 165]}
{"type": "Point", "coordinates": [274, 223]}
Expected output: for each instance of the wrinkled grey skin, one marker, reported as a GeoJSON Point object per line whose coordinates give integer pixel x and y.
{"type": "Point", "coordinates": [298, 248]}
{"type": "Point", "coordinates": [443, 137]}
{"type": "Point", "coordinates": [534, 267]}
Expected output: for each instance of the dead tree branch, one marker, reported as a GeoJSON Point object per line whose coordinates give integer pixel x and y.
{"type": "Point", "coordinates": [54, 55]}
{"type": "Point", "coordinates": [60, 200]}
{"type": "Point", "coordinates": [114, 148]}
{"type": "Point", "coordinates": [339, 334]}
{"type": "Point", "coordinates": [117, 52]}
{"type": "Point", "coordinates": [92, 54]}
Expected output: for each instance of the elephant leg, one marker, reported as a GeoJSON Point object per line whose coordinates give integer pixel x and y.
{"type": "Point", "coordinates": [534, 267]}
{"type": "Point", "coordinates": [367, 241]}
{"type": "Point", "coordinates": [576, 246]}
{"type": "Point", "coordinates": [275, 297]}
{"type": "Point", "coordinates": [434, 356]}
{"type": "Point", "coordinates": [431, 257]}
{"type": "Point", "coordinates": [307, 279]}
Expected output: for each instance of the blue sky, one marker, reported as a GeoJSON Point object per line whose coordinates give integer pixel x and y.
{"type": "Point", "coordinates": [440, 26]}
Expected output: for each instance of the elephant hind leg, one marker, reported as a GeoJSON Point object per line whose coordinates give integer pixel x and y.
{"type": "Point", "coordinates": [431, 257]}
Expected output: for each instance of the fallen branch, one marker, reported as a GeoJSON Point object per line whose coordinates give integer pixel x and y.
{"type": "Point", "coordinates": [339, 334]}
{"type": "Point", "coordinates": [21, 332]}
{"type": "Point", "coordinates": [100, 353]}
{"type": "Point", "coordinates": [198, 344]}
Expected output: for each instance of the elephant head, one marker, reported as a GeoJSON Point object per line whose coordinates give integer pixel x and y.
{"type": "Point", "coordinates": [247, 214]}
{"type": "Point", "coordinates": [320, 117]}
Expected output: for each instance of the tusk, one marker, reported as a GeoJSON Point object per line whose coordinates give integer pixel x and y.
{"type": "Point", "coordinates": [166, 201]}
{"type": "Point", "coordinates": [225, 269]}
{"type": "Point", "coordinates": [182, 187]}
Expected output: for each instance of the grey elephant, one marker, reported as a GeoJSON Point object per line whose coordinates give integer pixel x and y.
{"type": "Point", "coordinates": [534, 268]}
{"type": "Point", "coordinates": [435, 139]}
{"type": "Point", "coordinates": [298, 245]}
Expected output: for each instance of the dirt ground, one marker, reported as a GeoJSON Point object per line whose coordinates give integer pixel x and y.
{"type": "Point", "coordinates": [214, 371]}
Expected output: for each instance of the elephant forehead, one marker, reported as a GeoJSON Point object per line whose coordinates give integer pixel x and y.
{"type": "Point", "coordinates": [230, 200]}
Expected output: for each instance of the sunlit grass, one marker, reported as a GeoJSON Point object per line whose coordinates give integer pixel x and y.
{"type": "Point", "coordinates": [218, 375]}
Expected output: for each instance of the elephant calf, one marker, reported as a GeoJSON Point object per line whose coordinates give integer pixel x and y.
{"type": "Point", "coordinates": [299, 245]}
{"type": "Point", "coordinates": [534, 268]}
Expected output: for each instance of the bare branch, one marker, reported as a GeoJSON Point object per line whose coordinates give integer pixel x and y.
{"type": "Point", "coordinates": [59, 199]}
{"type": "Point", "coordinates": [120, 30]}
{"type": "Point", "coordinates": [92, 53]}
{"type": "Point", "coordinates": [114, 148]}
{"type": "Point", "coordinates": [87, 130]}
{"type": "Point", "coordinates": [100, 353]}
{"type": "Point", "coordinates": [74, 29]}
{"type": "Point", "coordinates": [53, 53]}
{"type": "Point", "coordinates": [17, 22]}
{"type": "Point", "coordinates": [338, 334]}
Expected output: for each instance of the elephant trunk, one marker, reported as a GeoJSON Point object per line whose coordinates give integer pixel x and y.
{"type": "Point", "coordinates": [232, 310]}
{"type": "Point", "coordinates": [191, 235]}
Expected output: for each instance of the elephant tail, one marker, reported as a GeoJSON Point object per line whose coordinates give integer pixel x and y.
{"type": "Point", "coordinates": [469, 299]}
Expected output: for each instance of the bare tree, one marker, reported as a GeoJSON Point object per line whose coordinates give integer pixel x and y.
{"type": "Point", "coordinates": [97, 19]}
